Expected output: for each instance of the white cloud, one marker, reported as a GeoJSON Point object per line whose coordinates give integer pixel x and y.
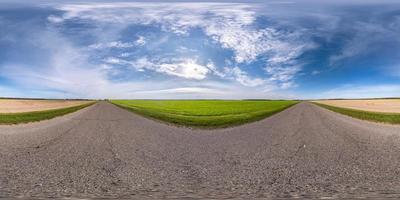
{"type": "Point", "coordinates": [55, 19]}
{"type": "Point", "coordinates": [283, 67]}
{"type": "Point", "coordinates": [360, 91]}
{"type": "Point", "coordinates": [185, 90]}
{"type": "Point", "coordinates": [209, 90]}
{"type": "Point", "coordinates": [229, 24]}
{"type": "Point", "coordinates": [112, 60]}
{"type": "Point", "coordinates": [141, 64]}
{"type": "Point", "coordinates": [114, 44]}
{"type": "Point", "coordinates": [282, 73]}
{"type": "Point", "coordinates": [287, 85]}
{"type": "Point", "coordinates": [141, 41]}
{"type": "Point", "coordinates": [226, 23]}
{"type": "Point", "coordinates": [184, 68]}
{"type": "Point", "coordinates": [365, 37]}
{"type": "Point", "coordinates": [67, 72]}
{"type": "Point", "coordinates": [189, 69]}
{"type": "Point", "coordinates": [242, 77]}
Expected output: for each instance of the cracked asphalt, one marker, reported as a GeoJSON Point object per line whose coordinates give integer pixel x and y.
{"type": "Point", "coordinates": [105, 151]}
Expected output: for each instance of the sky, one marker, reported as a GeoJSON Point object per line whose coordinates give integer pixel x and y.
{"type": "Point", "coordinates": [292, 49]}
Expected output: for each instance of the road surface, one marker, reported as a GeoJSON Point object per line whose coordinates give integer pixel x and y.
{"type": "Point", "coordinates": [105, 151]}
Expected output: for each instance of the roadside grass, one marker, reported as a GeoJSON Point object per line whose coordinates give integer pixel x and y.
{"type": "Point", "coordinates": [391, 118]}
{"type": "Point", "coordinates": [205, 113]}
{"type": "Point", "coordinates": [25, 117]}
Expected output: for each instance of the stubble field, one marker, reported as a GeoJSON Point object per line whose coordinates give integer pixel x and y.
{"type": "Point", "coordinates": [15, 111]}
{"type": "Point", "coordinates": [372, 105]}
{"type": "Point", "coordinates": [377, 110]}
{"type": "Point", "coordinates": [25, 105]}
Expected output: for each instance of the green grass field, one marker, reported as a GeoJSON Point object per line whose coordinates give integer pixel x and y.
{"type": "Point", "coordinates": [391, 118]}
{"type": "Point", "coordinates": [205, 113]}
{"type": "Point", "coordinates": [24, 117]}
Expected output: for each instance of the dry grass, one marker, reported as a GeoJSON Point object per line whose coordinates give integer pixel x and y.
{"type": "Point", "coordinates": [373, 105]}
{"type": "Point", "coordinates": [20, 105]}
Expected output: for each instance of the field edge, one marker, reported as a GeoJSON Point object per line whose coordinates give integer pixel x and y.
{"type": "Point", "coordinates": [388, 118]}
{"type": "Point", "coordinates": [35, 116]}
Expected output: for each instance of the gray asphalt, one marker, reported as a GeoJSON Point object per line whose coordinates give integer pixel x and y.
{"type": "Point", "coordinates": [105, 151]}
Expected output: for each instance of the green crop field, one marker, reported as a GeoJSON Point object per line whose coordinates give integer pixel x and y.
{"type": "Point", "coordinates": [24, 117]}
{"type": "Point", "coordinates": [391, 118]}
{"type": "Point", "coordinates": [205, 113]}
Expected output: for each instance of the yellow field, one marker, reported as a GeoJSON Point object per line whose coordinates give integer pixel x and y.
{"type": "Point", "coordinates": [19, 105]}
{"type": "Point", "coordinates": [373, 105]}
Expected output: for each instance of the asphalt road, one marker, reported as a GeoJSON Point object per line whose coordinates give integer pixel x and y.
{"type": "Point", "coordinates": [105, 151]}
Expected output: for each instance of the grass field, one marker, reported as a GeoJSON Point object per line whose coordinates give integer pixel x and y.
{"type": "Point", "coordinates": [24, 117]}
{"type": "Point", "coordinates": [205, 113]}
{"type": "Point", "coordinates": [392, 118]}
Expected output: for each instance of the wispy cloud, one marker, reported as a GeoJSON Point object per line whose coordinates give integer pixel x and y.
{"type": "Point", "coordinates": [198, 50]}
{"type": "Point", "coordinates": [229, 24]}
{"type": "Point", "coordinates": [140, 41]}
{"type": "Point", "coordinates": [115, 44]}
{"type": "Point", "coordinates": [242, 77]}
{"type": "Point", "coordinates": [361, 91]}
{"type": "Point", "coordinates": [185, 68]}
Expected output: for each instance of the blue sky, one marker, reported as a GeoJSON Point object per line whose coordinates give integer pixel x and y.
{"type": "Point", "coordinates": [231, 50]}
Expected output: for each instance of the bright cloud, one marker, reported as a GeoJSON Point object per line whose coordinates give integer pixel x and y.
{"type": "Point", "coordinates": [141, 41]}
{"type": "Point", "coordinates": [242, 77]}
{"type": "Point", "coordinates": [229, 24]}
{"type": "Point", "coordinates": [185, 68]}
{"type": "Point", "coordinates": [198, 50]}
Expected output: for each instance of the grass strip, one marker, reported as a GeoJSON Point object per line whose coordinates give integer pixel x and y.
{"type": "Point", "coordinates": [391, 118]}
{"type": "Point", "coordinates": [25, 117]}
{"type": "Point", "coordinates": [194, 116]}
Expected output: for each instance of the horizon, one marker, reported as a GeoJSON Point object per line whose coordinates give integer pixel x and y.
{"type": "Point", "coordinates": [220, 99]}
{"type": "Point", "coordinates": [200, 50]}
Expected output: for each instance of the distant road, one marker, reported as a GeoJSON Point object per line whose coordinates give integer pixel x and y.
{"type": "Point", "coordinates": [105, 151]}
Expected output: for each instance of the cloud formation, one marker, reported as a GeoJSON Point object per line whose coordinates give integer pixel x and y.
{"type": "Point", "coordinates": [361, 91]}
{"type": "Point", "coordinates": [198, 49]}
{"type": "Point", "coordinates": [229, 24]}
